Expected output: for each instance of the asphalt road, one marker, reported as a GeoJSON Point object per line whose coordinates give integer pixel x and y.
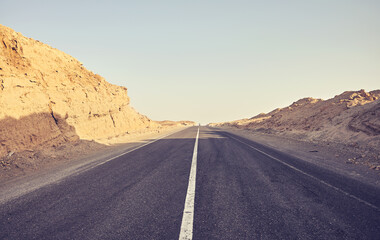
{"type": "Point", "coordinates": [243, 191]}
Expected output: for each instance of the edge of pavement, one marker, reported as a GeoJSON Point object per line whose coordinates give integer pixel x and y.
{"type": "Point", "coordinates": [314, 153]}
{"type": "Point", "coordinates": [19, 186]}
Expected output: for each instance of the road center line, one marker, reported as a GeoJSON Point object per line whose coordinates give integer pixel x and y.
{"type": "Point", "coordinates": [188, 212]}
{"type": "Point", "coordinates": [311, 176]}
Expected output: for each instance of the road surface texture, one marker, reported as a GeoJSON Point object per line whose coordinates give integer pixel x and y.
{"type": "Point", "coordinates": [243, 190]}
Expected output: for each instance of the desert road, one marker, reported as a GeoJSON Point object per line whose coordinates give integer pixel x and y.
{"type": "Point", "coordinates": [209, 184]}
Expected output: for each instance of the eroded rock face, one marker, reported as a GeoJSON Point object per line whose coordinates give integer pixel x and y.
{"type": "Point", "coordinates": [48, 96]}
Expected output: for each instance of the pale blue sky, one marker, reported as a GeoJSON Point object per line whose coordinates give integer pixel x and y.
{"type": "Point", "coordinates": [212, 61]}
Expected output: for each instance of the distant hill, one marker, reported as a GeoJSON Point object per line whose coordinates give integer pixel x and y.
{"type": "Point", "coordinates": [351, 117]}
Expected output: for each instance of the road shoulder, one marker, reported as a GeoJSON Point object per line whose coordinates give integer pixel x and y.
{"type": "Point", "coordinates": [75, 160]}
{"type": "Point", "coordinates": [325, 156]}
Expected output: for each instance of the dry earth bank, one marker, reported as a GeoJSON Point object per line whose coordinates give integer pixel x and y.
{"type": "Point", "coordinates": [49, 101]}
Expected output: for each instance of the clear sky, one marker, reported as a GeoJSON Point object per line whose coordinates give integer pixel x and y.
{"type": "Point", "coordinates": [212, 61]}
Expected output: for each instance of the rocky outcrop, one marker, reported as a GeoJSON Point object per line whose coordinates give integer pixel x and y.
{"type": "Point", "coordinates": [47, 96]}
{"type": "Point", "coordinates": [367, 121]}
{"type": "Point", "coordinates": [351, 117]}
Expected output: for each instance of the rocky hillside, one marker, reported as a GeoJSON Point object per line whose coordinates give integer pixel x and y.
{"type": "Point", "coordinates": [351, 117]}
{"type": "Point", "coordinates": [47, 96]}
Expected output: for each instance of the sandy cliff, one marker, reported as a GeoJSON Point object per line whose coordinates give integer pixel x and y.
{"type": "Point", "coordinates": [47, 96]}
{"type": "Point", "coordinates": [352, 117]}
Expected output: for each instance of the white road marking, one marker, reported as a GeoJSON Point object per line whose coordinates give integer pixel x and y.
{"type": "Point", "coordinates": [188, 212]}
{"type": "Point", "coordinates": [112, 158]}
{"type": "Point", "coordinates": [311, 176]}
{"type": "Point", "coordinates": [155, 140]}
